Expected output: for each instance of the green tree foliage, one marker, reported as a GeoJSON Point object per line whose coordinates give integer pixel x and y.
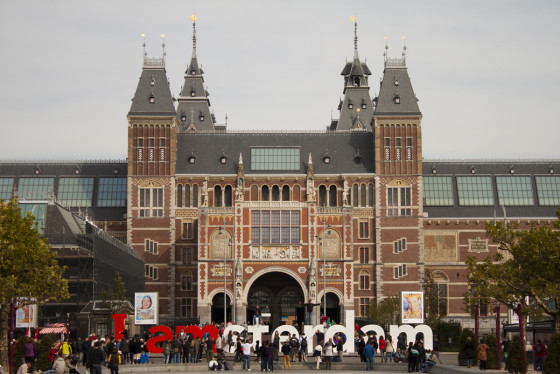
{"type": "Point", "coordinates": [516, 350]}
{"type": "Point", "coordinates": [385, 312]}
{"type": "Point", "coordinates": [466, 333]}
{"type": "Point", "coordinates": [431, 300]}
{"type": "Point", "coordinates": [44, 351]}
{"type": "Point", "coordinates": [27, 267]}
{"type": "Point", "coordinates": [492, 343]}
{"type": "Point", "coordinates": [530, 267]}
{"type": "Point", "coordinates": [18, 352]}
{"type": "Point", "coordinates": [115, 295]}
{"type": "Point", "coordinates": [448, 334]}
{"type": "Point", "coordinates": [552, 362]}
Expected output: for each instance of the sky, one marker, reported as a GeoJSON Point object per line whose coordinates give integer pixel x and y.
{"type": "Point", "coordinates": [486, 73]}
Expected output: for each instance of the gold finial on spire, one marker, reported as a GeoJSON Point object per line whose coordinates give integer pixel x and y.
{"type": "Point", "coordinates": [194, 18]}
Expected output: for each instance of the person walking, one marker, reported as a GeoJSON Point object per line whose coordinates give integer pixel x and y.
{"type": "Point", "coordinates": [539, 350]}
{"type": "Point", "coordinates": [369, 353]}
{"type": "Point", "coordinates": [286, 349]}
{"type": "Point", "coordinates": [482, 354]}
{"type": "Point", "coordinates": [328, 353]}
{"type": "Point", "coordinates": [96, 358]}
{"type": "Point", "coordinates": [114, 361]}
{"type": "Point", "coordinates": [303, 347]}
{"type": "Point", "coordinates": [468, 352]}
{"type": "Point", "coordinates": [270, 356]}
{"type": "Point", "coordinates": [294, 346]}
{"type": "Point", "coordinates": [317, 353]}
{"type": "Point", "coordinates": [505, 344]}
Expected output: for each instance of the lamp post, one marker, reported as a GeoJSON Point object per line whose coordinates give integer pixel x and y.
{"type": "Point", "coordinates": [223, 232]}
{"type": "Point", "coordinates": [498, 335]}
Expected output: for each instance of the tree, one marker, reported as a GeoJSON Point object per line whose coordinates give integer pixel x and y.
{"type": "Point", "coordinates": [27, 267]}
{"type": "Point", "coordinates": [531, 268]}
{"type": "Point", "coordinates": [552, 362]}
{"type": "Point", "coordinates": [386, 312]}
{"type": "Point", "coordinates": [115, 295]}
{"type": "Point", "coordinates": [431, 300]}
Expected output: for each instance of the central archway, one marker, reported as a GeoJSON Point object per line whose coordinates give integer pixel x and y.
{"type": "Point", "coordinates": [279, 294]}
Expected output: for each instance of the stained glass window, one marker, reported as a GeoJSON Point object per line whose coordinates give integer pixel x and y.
{"type": "Point", "coordinates": [112, 192]}
{"type": "Point", "coordinates": [75, 191]}
{"type": "Point", "coordinates": [438, 191]}
{"type": "Point", "coordinates": [475, 191]}
{"type": "Point", "coordinates": [515, 191]}
{"type": "Point", "coordinates": [548, 190]}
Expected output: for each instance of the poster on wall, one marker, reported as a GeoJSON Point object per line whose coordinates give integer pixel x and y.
{"type": "Point", "coordinates": [27, 316]}
{"type": "Point", "coordinates": [412, 307]}
{"type": "Point", "coordinates": [146, 308]}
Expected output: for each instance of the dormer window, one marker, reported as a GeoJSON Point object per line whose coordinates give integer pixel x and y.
{"type": "Point", "coordinates": [201, 118]}
{"type": "Point", "coordinates": [191, 159]}
{"type": "Point", "coordinates": [473, 170]}
{"type": "Point", "coordinates": [152, 82]}
{"type": "Point", "coordinates": [511, 170]}
{"type": "Point", "coordinates": [183, 117]}
{"type": "Point", "coordinates": [550, 170]}
{"type": "Point", "coordinates": [223, 158]}
{"type": "Point", "coordinates": [364, 105]}
{"type": "Point", "coordinates": [357, 82]}
{"type": "Point", "coordinates": [396, 81]}
{"type": "Point", "coordinates": [193, 94]}
{"type": "Point", "coordinates": [326, 158]}
{"type": "Point", "coordinates": [77, 171]}
{"type": "Point", "coordinates": [152, 98]}
{"type": "Point", "coordinates": [397, 99]}
{"type": "Point", "coordinates": [193, 72]}
{"type": "Point", "coordinates": [358, 157]}
{"type": "Point", "coordinates": [350, 106]}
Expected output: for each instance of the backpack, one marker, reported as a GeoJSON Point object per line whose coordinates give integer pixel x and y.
{"type": "Point", "coordinates": [538, 349]}
{"type": "Point", "coordinates": [294, 343]}
{"type": "Point", "coordinates": [304, 343]}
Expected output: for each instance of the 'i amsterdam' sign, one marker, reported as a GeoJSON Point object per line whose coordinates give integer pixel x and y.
{"type": "Point", "coordinates": [258, 330]}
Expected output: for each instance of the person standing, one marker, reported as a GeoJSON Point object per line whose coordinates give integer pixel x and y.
{"type": "Point", "coordinates": [382, 347]}
{"type": "Point", "coordinates": [540, 355]}
{"type": "Point", "coordinates": [369, 353]}
{"type": "Point", "coordinates": [125, 349]}
{"type": "Point", "coordinates": [436, 350]}
{"type": "Point", "coordinates": [294, 346]}
{"type": "Point", "coordinates": [286, 354]}
{"type": "Point", "coordinates": [320, 337]}
{"type": "Point", "coordinates": [303, 347]}
{"type": "Point", "coordinates": [309, 311]}
{"type": "Point", "coordinates": [340, 347]}
{"type": "Point", "coordinates": [482, 354]}
{"type": "Point", "coordinates": [166, 352]}
{"type": "Point", "coordinates": [389, 349]}
{"type": "Point", "coordinates": [328, 353]}
{"type": "Point", "coordinates": [276, 344]}
{"type": "Point", "coordinates": [505, 344]}
{"type": "Point", "coordinates": [30, 352]}
{"type": "Point", "coordinates": [194, 351]}
{"type": "Point", "coordinates": [247, 347]}
{"type": "Point", "coordinates": [468, 352]}
{"type": "Point", "coordinates": [270, 356]}
{"type": "Point", "coordinates": [114, 361]}
{"type": "Point", "coordinates": [210, 348]}
{"type": "Point", "coordinates": [96, 358]}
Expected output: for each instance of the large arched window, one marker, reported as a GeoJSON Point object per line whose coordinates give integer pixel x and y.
{"type": "Point", "coordinates": [186, 281]}
{"type": "Point", "coordinates": [275, 193]}
{"type": "Point", "coordinates": [265, 194]}
{"type": "Point", "coordinates": [364, 280]}
{"type": "Point", "coordinates": [286, 193]}
{"type": "Point", "coordinates": [332, 196]}
{"type": "Point", "coordinates": [228, 196]}
{"type": "Point", "coordinates": [218, 196]}
{"type": "Point", "coordinates": [322, 195]}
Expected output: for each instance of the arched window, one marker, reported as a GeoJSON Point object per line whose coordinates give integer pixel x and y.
{"type": "Point", "coordinates": [355, 195]}
{"type": "Point", "coordinates": [332, 196]}
{"type": "Point", "coordinates": [195, 195]}
{"type": "Point", "coordinates": [275, 193]}
{"type": "Point", "coordinates": [187, 195]}
{"type": "Point", "coordinates": [370, 194]}
{"type": "Point", "coordinates": [228, 196]}
{"type": "Point", "coordinates": [363, 195]}
{"type": "Point", "coordinates": [186, 281]}
{"type": "Point", "coordinates": [179, 196]}
{"type": "Point", "coordinates": [286, 193]}
{"type": "Point", "coordinates": [322, 195]}
{"type": "Point", "coordinates": [218, 196]}
{"type": "Point", "coordinates": [364, 280]}
{"type": "Point", "coordinates": [265, 195]}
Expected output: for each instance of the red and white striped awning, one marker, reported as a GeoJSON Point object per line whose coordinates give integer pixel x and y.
{"type": "Point", "coordinates": [54, 328]}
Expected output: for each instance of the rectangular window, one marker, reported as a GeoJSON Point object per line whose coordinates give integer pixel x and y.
{"type": "Point", "coordinates": [151, 246]}
{"type": "Point", "coordinates": [151, 272]}
{"type": "Point", "coordinates": [75, 192]}
{"type": "Point", "coordinates": [548, 190]}
{"type": "Point", "coordinates": [188, 230]}
{"type": "Point", "coordinates": [387, 149]}
{"type": "Point", "coordinates": [475, 191]}
{"type": "Point", "coordinates": [364, 306]}
{"type": "Point", "coordinates": [112, 192]}
{"type": "Point", "coordinates": [275, 226]}
{"type": "Point", "coordinates": [187, 256]}
{"type": "Point", "coordinates": [6, 188]}
{"type": "Point", "coordinates": [409, 149]}
{"type": "Point", "coordinates": [442, 299]}
{"type": "Point", "coordinates": [399, 201]}
{"type": "Point", "coordinates": [364, 229]}
{"type": "Point", "coordinates": [400, 271]}
{"type": "Point", "coordinates": [515, 191]}
{"type": "Point", "coordinates": [186, 282]}
{"type": "Point", "coordinates": [271, 159]}
{"type": "Point", "coordinates": [151, 202]}
{"type": "Point", "coordinates": [399, 245]}
{"type": "Point", "coordinates": [364, 255]}
{"type": "Point", "coordinates": [35, 188]}
{"type": "Point", "coordinates": [187, 307]}
{"type": "Point", "coordinates": [438, 191]}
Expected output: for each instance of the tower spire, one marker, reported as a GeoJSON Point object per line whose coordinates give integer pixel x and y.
{"type": "Point", "coordinates": [163, 47]}
{"type": "Point", "coordinates": [144, 53]}
{"type": "Point", "coordinates": [194, 19]}
{"type": "Point", "coordinates": [355, 20]}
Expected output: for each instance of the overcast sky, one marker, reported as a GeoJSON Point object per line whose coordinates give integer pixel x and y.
{"type": "Point", "coordinates": [486, 72]}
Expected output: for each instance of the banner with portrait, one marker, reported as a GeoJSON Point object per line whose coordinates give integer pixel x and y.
{"type": "Point", "coordinates": [146, 308]}
{"type": "Point", "coordinates": [412, 307]}
{"type": "Point", "coordinates": [27, 316]}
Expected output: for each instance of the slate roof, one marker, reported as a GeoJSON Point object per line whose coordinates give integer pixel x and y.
{"type": "Point", "coordinates": [152, 83]}
{"type": "Point", "coordinates": [493, 168]}
{"type": "Point", "coordinates": [396, 71]}
{"type": "Point", "coordinates": [341, 146]}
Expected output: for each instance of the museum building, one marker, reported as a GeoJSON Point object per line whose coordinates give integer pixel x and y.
{"type": "Point", "coordinates": [277, 218]}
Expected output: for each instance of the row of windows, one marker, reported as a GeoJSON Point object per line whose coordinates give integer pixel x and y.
{"type": "Point", "coordinates": [187, 195]}
{"type": "Point", "coordinates": [151, 149]}
{"type": "Point", "coordinates": [151, 272]}
{"type": "Point", "coordinates": [72, 192]}
{"type": "Point", "coordinates": [275, 226]}
{"type": "Point", "coordinates": [151, 202]}
{"type": "Point", "coordinates": [151, 246]}
{"type": "Point", "coordinates": [479, 191]}
{"type": "Point", "coordinates": [398, 149]}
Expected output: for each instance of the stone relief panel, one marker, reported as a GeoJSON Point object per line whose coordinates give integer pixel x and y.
{"type": "Point", "coordinates": [220, 241]}
{"type": "Point", "coordinates": [331, 244]}
{"type": "Point", "coordinates": [276, 253]}
{"type": "Point", "coordinates": [440, 246]}
{"type": "Point", "coordinates": [218, 270]}
{"type": "Point", "coordinates": [478, 245]}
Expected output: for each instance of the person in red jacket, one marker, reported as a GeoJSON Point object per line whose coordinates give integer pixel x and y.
{"type": "Point", "coordinates": [539, 350]}
{"type": "Point", "coordinates": [382, 347]}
